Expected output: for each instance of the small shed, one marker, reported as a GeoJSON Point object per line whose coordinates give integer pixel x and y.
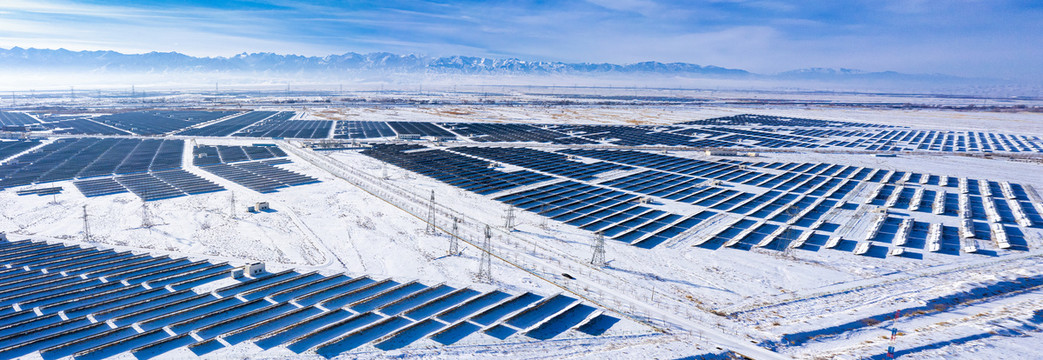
{"type": "Point", "coordinates": [258, 207]}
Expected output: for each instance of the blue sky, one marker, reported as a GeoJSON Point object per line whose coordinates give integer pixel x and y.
{"type": "Point", "coordinates": [979, 38]}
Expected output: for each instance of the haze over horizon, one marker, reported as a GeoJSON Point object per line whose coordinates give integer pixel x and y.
{"type": "Point", "coordinates": [988, 39]}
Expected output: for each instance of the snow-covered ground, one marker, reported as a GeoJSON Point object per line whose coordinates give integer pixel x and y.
{"type": "Point", "coordinates": [698, 296]}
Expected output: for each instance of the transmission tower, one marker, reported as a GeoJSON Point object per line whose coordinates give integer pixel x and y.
{"type": "Point", "coordinates": [786, 236]}
{"type": "Point", "coordinates": [485, 266]}
{"type": "Point", "coordinates": [146, 216]}
{"type": "Point", "coordinates": [599, 250]}
{"type": "Point", "coordinates": [231, 209]}
{"type": "Point", "coordinates": [431, 230]}
{"type": "Point", "coordinates": [86, 226]}
{"type": "Point", "coordinates": [454, 244]}
{"type": "Point", "coordinates": [543, 211]}
{"type": "Point", "coordinates": [509, 219]}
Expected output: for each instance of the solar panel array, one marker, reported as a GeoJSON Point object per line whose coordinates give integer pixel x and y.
{"type": "Point", "coordinates": [231, 125]}
{"type": "Point", "coordinates": [615, 214]}
{"type": "Point", "coordinates": [548, 162]}
{"type": "Point", "coordinates": [738, 131]}
{"type": "Point", "coordinates": [279, 126]}
{"type": "Point", "coordinates": [82, 126]}
{"type": "Point", "coordinates": [9, 148]}
{"type": "Point", "coordinates": [149, 186]}
{"type": "Point", "coordinates": [354, 129]}
{"type": "Point", "coordinates": [777, 121]}
{"type": "Point", "coordinates": [214, 154]}
{"type": "Point", "coordinates": [100, 187]}
{"type": "Point", "coordinates": [454, 169]}
{"type": "Point", "coordinates": [67, 159]}
{"type": "Point", "coordinates": [16, 119]}
{"type": "Point", "coordinates": [946, 141]}
{"type": "Point", "coordinates": [60, 301]}
{"type": "Point", "coordinates": [259, 176]}
{"type": "Point", "coordinates": [159, 122]}
{"type": "Point", "coordinates": [483, 132]}
{"type": "Point", "coordinates": [420, 129]}
{"type": "Point", "coordinates": [629, 135]}
{"type": "Point", "coordinates": [750, 204]}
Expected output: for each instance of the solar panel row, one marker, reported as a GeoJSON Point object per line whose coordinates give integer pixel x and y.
{"type": "Point", "coordinates": [16, 119]}
{"type": "Point", "coordinates": [214, 154]}
{"type": "Point", "coordinates": [419, 129]}
{"type": "Point", "coordinates": [484, 132]}
{"type": "Point", "coordinates": [548, 162]}
{"type": "Point", "coordinates": [83, 126]}
{"type": "Point", "coordinates": [628, 135]}
{"type": "Point", "coordinates": [777, 121]}
{"type": "Point", "coordinates": [354, 129]}
{"type": "Point", "coordinates": [231, 125]}
{"type": "Point", "coordinates": [150, 186]}
{"type": "Point", "coordinates": [66, 159]}
{"type": "Point", "coordinates": [279, 126]}
{"type": "Point", "coordinates": [9, 148]}
{"type": "Point", "coordinates": [159, 122]}
{"type": "Point", "coordinates": [258, 176]}
{"type": "Point", "coordinates": [616, 214]}
{"type": "Point", "coordinates": [454, 169]}
{"type": "Point", "coordinates": [89, 303]}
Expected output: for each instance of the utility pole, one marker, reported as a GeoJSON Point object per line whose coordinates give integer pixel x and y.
{"type": "Point", "coordinates": [894, 334]}
{"type": "Point", "coordinates": [485, 266]}
{"type": "Point", "coordinates": [86, 226]}
{"type": "Point", "coordinates": [599, 250]}
{"type": "Point", "coordinates": [454, 243]}
{"type": "Point", "coordinates": [431, 230]}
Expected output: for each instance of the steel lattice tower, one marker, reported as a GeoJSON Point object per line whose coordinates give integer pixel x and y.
{"type": "Point", "coordinates": [599, 250]}
{"type": "Point", "coordinates": [86, 226]}
{"type": "Point", "coordinates": [509, 219]}
{"type": "Point", "coordinates": [431, 230]}
{"type": "Point", "coordinates": [231, 209]}
{"type": "Point", "coordinates": [454, 243]}
{"type": "Point", "coordinates": [485, 266]}
{"type": "Point", "coordinates": [146, 216]}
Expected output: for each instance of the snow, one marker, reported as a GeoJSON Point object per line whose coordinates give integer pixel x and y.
{"type": "Point", "coordinates": [335, 226]}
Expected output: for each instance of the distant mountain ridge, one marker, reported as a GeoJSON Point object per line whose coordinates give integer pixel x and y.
{"type": "Point", "coordinates": [166, 62]}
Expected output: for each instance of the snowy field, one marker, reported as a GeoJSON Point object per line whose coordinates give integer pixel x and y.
{"type": "Point", "coordinates": [677, 299]}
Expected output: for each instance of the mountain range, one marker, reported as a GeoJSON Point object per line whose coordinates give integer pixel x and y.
{"type": "Point", "coordinates": [270, 63]}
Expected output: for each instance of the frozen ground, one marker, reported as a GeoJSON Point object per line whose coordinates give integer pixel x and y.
{"type": "Point", "coordinates": [973, 306]}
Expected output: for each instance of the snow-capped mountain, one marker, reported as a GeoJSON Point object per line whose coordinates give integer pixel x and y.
{"type": "Point", "coordinates": [269, 62]}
